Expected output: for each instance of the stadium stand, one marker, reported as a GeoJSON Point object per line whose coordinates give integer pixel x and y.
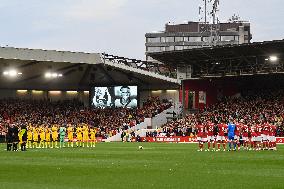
{"type": "Point", "coordinates": [250, 107]}
{"type": "Point", "coordinates": [109, 121]}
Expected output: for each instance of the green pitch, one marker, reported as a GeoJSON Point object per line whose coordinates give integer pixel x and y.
{"type": "Point", "coordinates": [123, 165]}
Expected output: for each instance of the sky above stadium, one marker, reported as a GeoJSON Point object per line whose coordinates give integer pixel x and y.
{"type": "Point", "coordinates": [119, 26]}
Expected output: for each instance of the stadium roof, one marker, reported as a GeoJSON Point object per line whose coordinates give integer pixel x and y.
{"type": "Point", "coordinates": [79, 71]}
{"type": "Point", "coordinates": [228, 60]}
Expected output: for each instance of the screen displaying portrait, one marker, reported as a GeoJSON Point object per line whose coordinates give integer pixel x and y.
{"type": "Point", "coordinates": [125, 96]}
{"type": "Point", "coordinates": [115, 96]}
{"type": "Point", "coordinates": [101, 97]}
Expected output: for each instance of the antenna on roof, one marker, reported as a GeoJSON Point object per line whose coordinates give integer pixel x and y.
{"type": "Point", "coordinates": [208, 16]}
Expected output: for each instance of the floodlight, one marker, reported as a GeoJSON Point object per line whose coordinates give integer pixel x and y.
{"type": "Point", "coordinates": [53, 75]}
{"type": "Point", "coordinates": [273, 58]}
{"type": "Point", "coordinates": [13, 73]}
{"type": "Point", "coordinates": [48, 75]}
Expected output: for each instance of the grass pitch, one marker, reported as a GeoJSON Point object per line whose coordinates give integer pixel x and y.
{"type": "Point", "coordinates": [123, 165]}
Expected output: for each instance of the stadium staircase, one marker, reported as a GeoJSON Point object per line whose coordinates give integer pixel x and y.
{"type": "Point", "coordinates": [155, 122]}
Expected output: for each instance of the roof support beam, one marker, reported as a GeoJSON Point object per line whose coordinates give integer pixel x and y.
{"type": "Point", "coordinates": [106, 73]}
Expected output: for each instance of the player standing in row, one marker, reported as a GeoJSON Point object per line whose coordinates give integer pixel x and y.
{"type": "Point", "coordinates": [210, 135]}
{"type": "Point", "coordinates": [54, 130]}
{"type": "Point", "coordinates": [62, 133]}
{"type": "Point", "coordinates": [245, 135]}
{"type": "Point", "coordinates": [265, 135]}
{"type": "Point", "coordinates": [85, 135]}
{"type": "Point", "coordinates": [231, 134]}
{"type": "Point", "coordinates": [258, 130]}
{"type": "Point", "coordinates": [79, 136]}
{"type": "Point", "coordinates": [70, 134]}
{"type": "Point", "coordinates": [238, 127]}
{"type": "Point", "coordinates": [201, 135]}
{"type": "Point", "coordinates": [221, 135]}
{"type": "Point", "coordinates": [93, 137]}
{"type": "Point", "coordinates": [271, 137]}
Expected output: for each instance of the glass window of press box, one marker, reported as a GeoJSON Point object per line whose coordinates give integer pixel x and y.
{"type": "Point", "coordinates": [178, 39]}
{"type": "Point", "coordinates": [192, 39]}
{"type": "Point", "coordinates": [170, 48]}
{"type": "Point", "coordinates": [153, 49]}
{"type": "Point", "coordinates": [153, 40]}
{"type": "Point", "coordinates": [229, 38]}
{"type": "Point", "coordinates": [170, 39]}
{"type": "Point", "coordinates": [179, 48]}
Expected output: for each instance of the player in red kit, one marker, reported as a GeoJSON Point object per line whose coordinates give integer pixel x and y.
{"type": "Point", "coordinates": [253, 137]}
{"type": "Point", "coordinates": [221, 135]}
{"type": "Point", "coordinates": [272, 139]}
{"type": "Point", "coordinates": [200, 135]}
{"type": "Point", "coordinates": [258, 129]}
{"type": "Point", "coordinates": [210, 135]}
{"type": "Point", "coordinates": [265, 135]}
{"type": "Point", "coordinates": [245, 133]}
{"type": "Point", "coordinates": [237, 134]}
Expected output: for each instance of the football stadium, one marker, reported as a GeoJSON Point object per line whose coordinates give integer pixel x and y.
{"type": "Point", "coordinates": [206, 117]}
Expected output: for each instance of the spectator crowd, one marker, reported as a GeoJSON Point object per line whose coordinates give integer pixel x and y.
{"type": "Point", "coordinates": [108, 121]}
{"type": "Point", "coordinates": [251, 108]}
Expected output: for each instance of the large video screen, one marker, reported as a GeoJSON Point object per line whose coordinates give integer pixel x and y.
{"type": "Point", "coordinates": [115, 96]}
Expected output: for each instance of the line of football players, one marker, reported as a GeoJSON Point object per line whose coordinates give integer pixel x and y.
{"type": "Point", "coordinates": [47, 137]}
{"type": "Point", "coordinates": [255, 136]}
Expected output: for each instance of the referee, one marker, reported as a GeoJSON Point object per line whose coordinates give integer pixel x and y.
{"type": "Point", "coordinates": [15, 137]}
{"type": "Point", "coordinates": [24, 136]}
{"type": "Point", "coordinates": [9, 137]}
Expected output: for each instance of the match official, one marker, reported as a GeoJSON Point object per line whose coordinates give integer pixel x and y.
{"type": "Point", "coordinates": [9, 138]}
{"type": "Point", "coordinates": [24, 135]}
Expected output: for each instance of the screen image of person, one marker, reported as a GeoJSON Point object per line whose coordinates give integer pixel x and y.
{"type": "Point", "coordinates": [101, 98]}
{"type": "Point", "coordinates": [126, 96]}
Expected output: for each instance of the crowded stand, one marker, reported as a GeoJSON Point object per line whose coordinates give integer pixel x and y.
{"type": "Point", "coordinates": [44, 114]}
{"type": "Point", "coordinates": [257, 115]}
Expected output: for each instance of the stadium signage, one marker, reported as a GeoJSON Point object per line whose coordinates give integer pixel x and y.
{"type": "Point", "coordinates": [279, 140]}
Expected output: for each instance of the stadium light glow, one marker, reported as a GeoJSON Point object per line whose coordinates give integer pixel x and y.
{"type": "Point", "coordinates": [273, 58]}
{"type": "Point", "coordinates": [22, 91]}
{"type": "Point", "coordinates": [171, 91]}
{"type": "Point", "coordinates": [55, 92]}
{"type": "Point", "coordinates": [37, 92]}
{"type": "Point", "coordinates": [86, 92]}
{"type": "Point", "coordinates": [52, 75]}
{"type": "Point", "coordinates": [12, 73]}
{"type": "Point", "coordinates": [72, 92]}
{"type": "Point", "coordinates": [158, 91]}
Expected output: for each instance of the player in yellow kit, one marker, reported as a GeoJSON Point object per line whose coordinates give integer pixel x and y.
{"type": "Point", "coordinates": [42, 136]}
{"type": "Point", "coordinates": [79, 136]}
{"type": "Point", "coordinates": [93, 136]}
{"type": "Point", "coordinates": [29, 137]}
{"type": "Point", "coordinates": [20, 135]}
{"type": "Point", "coordinates": [70, 132]}
{"type": "Point", "coordinates": [47, 136]}
{"type": "Point", "coordinates": [85, 135]}
{"type": "Point", "coordinates": [54, 131]}
{"type": "Point", "coordinates": [35, 137]}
